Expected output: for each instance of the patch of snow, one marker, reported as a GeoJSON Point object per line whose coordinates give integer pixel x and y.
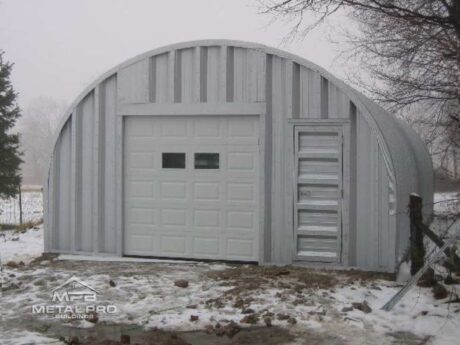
{"type": "Point", "coordinates": [22, 337]}
{"type": "Point", "coordinates": [403, 272]}
{"type": "Point", "coordinates": [16, 246]}
{"type": "Point", "coordinates": [418, 312]}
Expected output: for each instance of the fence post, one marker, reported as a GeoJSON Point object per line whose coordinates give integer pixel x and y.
{"type": "Point", "coordinates": [20, 205]}
{"type": "Point", "coordinates": [417, 250]}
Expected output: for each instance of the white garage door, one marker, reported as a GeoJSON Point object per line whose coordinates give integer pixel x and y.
{"type": "Point", "coordinates": [191, 187]}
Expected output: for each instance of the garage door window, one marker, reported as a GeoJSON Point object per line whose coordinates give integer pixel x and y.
{"type": "Point", "coordinates": [206, 161]}
{"type": "Point", "coordinates": [173, 160]}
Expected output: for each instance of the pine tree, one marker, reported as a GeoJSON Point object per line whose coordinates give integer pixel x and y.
{"type": "Point", "coordinates": [10, 156]}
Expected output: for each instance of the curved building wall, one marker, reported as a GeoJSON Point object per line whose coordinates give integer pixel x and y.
{"type": "Point", "coordinates": [84, 189]}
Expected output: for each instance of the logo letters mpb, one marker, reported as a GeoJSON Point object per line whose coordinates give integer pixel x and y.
{"type": "Point", "coordinates": [66, 296]}
{"type": "Point", "coordinates": [73, 300]}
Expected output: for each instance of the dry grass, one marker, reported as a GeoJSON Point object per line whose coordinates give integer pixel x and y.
{"type": "Point", "coordinates": [28, 225]}
{"type": "Point", "coordinates": [251, 277]}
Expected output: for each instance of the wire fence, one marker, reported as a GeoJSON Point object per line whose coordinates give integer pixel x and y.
{"type": "Point", "coordinates": [30, 205]}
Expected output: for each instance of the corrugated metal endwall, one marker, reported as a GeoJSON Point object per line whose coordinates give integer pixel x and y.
{"type": "Point", "coordinates": [82, 204]}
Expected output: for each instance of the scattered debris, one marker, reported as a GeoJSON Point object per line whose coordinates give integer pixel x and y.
{"type": "Point", "coordinates": [125, 339]}
{"type": "Point", "coordinates": [428, 279]}
{"type": "Point", "coordinates": [194, 318]}
{"type": "Point", "coordinates": [215, 303]}
{"type": "Point", "coordinates": [450, 280]}
{"type": "Point", "coordinates": [248, 311]}
{"type": "Point", "coordinates": [282, 317]}
{"type": "Point", "coordinates": [92, 317]}
{"type": "Point", "coordinates": [182, 283]}
{"type": "Point", "coordinates": [292, 320]}
{"type": "Point", "coordinates": [242, 303]}
{"type": "Point", "coordinates": [12, 264]}
{"type": "Point", "coordinates": [363, 306]}
{"type": "Point", "coordinates": [268, 321]}
{"type": "Point", "coordinates": [250, 319]}
{"type": "Point", "coordinates": [231, 329]}
{"type": "Point", "coordinates": [439, 291]}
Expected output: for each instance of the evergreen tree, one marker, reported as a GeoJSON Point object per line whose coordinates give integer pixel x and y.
{"type": "Point", "coordinates": [10, 156]}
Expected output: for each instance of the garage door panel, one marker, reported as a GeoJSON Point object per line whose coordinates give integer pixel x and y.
{"type": "Point", "coordinates": [173, 128]}
{"type": "Point", "coordinates": [244, 127]}
{"type": "Point", "coordinates": [203, 211]}
{"type": "Point", "coordinates": [173, 245]}
{"type": "Point", "coordinates": [206, 191]}
{"type": "Point", "coordinates": [173, 190]}
{"type": "Point", "coordinates": [240, 220]}
{"type": "Point", "coordinates": [241, 192]}
{"type": "Point", "coordinates": [208, 128]}
{"type": "Point", "coordinates": [143, 229]}
{"type": "Point", "coordinates": [142, 243]}
{"type": "Point", "coordinates": [141, 145]}
{"type": "Point", "coordinates": [141, 160]}
{"type": "Point", "coordinates": [240, 249]}
{"type": "Point", "coordinates": [174, 217]}
{"type": "Point", "coordinates": [141, 189]}
{"type": "Point", "coordinates": [142, 127]}
{"type": "Point", "coordinates": [206, 246]}
{"type": "Point", "coordinates": [207, 218]}
{"type": "Point", "coordinates": [241, 161]}
{"type": "Point", "coordinates": [140, 215]}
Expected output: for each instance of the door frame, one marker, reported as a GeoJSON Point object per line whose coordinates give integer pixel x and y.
{"type": "Point", "coordinates": [344, 207]}
{"type": "Point", "coordinates": [200, 109]}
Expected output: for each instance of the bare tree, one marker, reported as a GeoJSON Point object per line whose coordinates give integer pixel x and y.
{"type": "Point", "coordinates": [37, 128]}
{"type": "Point", "coordinates": [411, 51]}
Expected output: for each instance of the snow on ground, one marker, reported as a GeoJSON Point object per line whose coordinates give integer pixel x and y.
{"type": "Point", "coordinates": [13, 337]}
{"type": "Point", "coordinates": [17, 246]}
{"type": "Point", "coordinates": [32, 207]}
{"type": "Point", "coordinates": [146, 296]}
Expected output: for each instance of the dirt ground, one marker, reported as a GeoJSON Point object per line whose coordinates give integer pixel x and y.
{"type": "Point", "coordinates": [238, 287]}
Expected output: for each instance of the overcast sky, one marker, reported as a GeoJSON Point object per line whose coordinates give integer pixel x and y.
{"type": "Point", "coordinates": [60, 46]}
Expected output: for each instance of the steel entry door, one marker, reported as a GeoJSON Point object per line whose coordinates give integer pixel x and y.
{"type": "Point", "coordinates": [318, 192]}
{"type": "Point", "coordinates": [191, 187]}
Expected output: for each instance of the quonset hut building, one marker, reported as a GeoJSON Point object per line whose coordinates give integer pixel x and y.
{"type": "Point", "coordinates": [233, 151]}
